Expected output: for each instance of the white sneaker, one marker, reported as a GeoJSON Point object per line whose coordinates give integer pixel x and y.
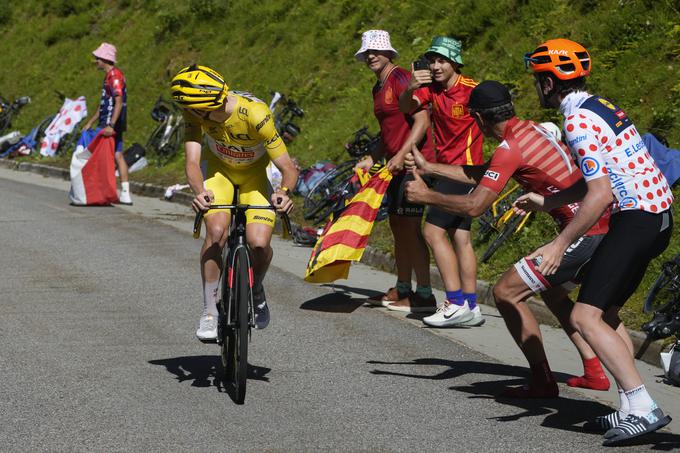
{"type": "Point", "coordinates": [125, 198]}
{"type": "Point", "coordinates": [207, 328]}
{"type": "Point", "coordinates": [449, 315]}
{"type": "Point", "coordinates": [476, 320]}
{"type": "Point", "coordinates": [261, 309]}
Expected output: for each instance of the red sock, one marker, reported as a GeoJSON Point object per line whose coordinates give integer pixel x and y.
{"type": "Point", "coordinates": [593, 376]}
{"type": "Point", "coordinates": [542, 384]}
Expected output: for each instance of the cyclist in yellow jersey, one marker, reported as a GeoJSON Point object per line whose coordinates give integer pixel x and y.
{"type": "Point", "coordinates": [242, 140]}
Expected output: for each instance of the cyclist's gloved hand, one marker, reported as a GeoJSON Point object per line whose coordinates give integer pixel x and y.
{"type": "Point", "coordinates": [416, 191]}
{"type": "Point", "coordinates": [203, 200]}
{"type": "Point", "coordinates": [282, 202]}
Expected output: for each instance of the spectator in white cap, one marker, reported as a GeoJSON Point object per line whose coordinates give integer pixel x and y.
{"type": "Point", "coordinates": [111, 114]}
{"type": "Point", "coordinates": [399, 133]}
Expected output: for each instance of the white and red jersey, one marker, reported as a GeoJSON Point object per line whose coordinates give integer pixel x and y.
{"type": "Point", "coordinates": [531, 156]}
{"type": "Point", "coordinates": [605, 142]}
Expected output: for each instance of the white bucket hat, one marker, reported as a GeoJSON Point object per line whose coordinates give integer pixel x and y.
{"type": "Point", "coordinates": [375, 40]}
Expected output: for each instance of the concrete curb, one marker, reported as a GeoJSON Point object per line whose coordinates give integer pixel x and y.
{"type": "Point", "coordinates": [647, 352]}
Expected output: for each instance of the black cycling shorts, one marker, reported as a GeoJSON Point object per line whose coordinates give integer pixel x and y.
{"type": "Point", "coordinates": [444, 219]}
{"type": "Point", "coordinates": [397, 202]}
{"type": "Point", "coordinates": [571, 269]}
{"type": "Point", "coordinates": [619, 263]}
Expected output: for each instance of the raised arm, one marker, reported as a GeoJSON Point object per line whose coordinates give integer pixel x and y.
{"type": "Point", "coordinates": [467, 174]}
{"type": "Point", "coordinates": [472, 204]}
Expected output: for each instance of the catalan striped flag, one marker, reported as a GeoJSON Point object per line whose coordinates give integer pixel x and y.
{"type": "Point", "coordinates": [344, 239]}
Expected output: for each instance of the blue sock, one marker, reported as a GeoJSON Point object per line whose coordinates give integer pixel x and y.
{"type": "Point", "coordinates": [455, 297]}
{"type": "Point", "coordinates": [471, 299]}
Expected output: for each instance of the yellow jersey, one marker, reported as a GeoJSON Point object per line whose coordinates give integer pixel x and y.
{"type": "Point", "coordinates": [247, 139]}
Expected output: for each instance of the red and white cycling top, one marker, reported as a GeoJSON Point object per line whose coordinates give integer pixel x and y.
{"type": "Point", "coordinates": [605, 142]}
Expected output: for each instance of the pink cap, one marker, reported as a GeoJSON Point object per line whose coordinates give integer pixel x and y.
{"type": "Point", "coordinates": [106, 51]}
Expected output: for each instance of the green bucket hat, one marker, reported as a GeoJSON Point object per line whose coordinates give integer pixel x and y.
{"type": "Point", "coordinates": [447, 47]}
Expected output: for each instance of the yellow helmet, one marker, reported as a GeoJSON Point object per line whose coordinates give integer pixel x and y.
{"type": "Point", "coordinates": [198, 87]}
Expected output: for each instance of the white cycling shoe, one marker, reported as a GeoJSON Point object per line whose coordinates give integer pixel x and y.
{"type": "Point", "coordinates": [207, 328]}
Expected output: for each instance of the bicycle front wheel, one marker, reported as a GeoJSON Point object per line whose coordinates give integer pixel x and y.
{"type": "Point", "coordinates": [235, 343]}
{"type": "Point", "coordinates": [666, 289]}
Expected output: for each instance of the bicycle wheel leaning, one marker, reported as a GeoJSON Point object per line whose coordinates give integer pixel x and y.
{"type": "Point", "coordinates": [666, 289]}
{"type": "Point", "coordinates": [237, 326]}
{"type": "Point", "coordinates": [323, 198]}
{"type": "Point", "coordinates": [508, 228]}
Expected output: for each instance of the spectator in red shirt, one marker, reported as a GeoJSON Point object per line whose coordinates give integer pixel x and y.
{"type": "Point", "coordinates": [398, 132]}
{"type": "Point", "coordinates": [458, 141]}
{"type": "Point", "coordinates": [111, 114]}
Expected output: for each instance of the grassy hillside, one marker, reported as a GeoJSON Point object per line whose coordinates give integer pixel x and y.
{"type": "Point", "coordinates": [305, 49]}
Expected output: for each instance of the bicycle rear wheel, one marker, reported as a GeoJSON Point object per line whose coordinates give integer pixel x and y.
{"type": "Point", "coordinates": [324, 197]}
{"type": "Point", "coordinates": [503, 235]}
{"type": "Point", "coordinates": [237, 329]}
{"type": "Point", "coordinates": [666, 289]}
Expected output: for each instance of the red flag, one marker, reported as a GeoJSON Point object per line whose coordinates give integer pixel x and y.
{"type": "Point", "coordinates": [345, 238]}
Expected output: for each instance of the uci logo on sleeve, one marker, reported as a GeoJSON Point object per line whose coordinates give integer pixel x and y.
{"type": "Point", "coordinates": [589, 166]}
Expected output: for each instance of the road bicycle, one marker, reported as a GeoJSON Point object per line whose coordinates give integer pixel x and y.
{"type": "Point", "coordinates": [663, 300]}
{"type": "Point", "coordinates": [330, 194]}
{"type": "Point", "coordinates": [9, 109]}
{"type": "Point", "coordinates": [235, 307]}
{"type": "Point", "coordinates": [166, 138]}
{"type": "Point", "coordinates": [501, 219]}
{"type": "Point", "coordinates": [285, 111]}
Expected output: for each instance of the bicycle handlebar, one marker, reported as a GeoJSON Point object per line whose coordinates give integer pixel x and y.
{"type": "Point", "coordinates": [285, 220]}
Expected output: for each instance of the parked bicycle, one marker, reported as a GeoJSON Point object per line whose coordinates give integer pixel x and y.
{"type": "Point", "coordinates": [68, 142]}
{"type": "Point", "coordinates": [285, 110]}
{"type": "Point", "coordinates": [501, 220]}
{"type": "Point", "coordinates": [9, 109]}
{"type": "Point", "coordinates": [330, 194]}
{"type": "Point", "coordinates": [236, 309]}
{"type": "Point", "coordinates": [166, 138]}
{"type": "Point", "coordinates": [663, 300]}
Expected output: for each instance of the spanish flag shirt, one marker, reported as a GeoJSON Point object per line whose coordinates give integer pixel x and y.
{"type": "Point", "coordinates": [458, 140]}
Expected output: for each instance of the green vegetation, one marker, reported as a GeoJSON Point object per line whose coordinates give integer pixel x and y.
{"type": "Point", "coordinates": [305, 49]}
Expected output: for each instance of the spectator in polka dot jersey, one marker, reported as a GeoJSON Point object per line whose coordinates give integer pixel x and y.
{"type": "Point", "coordinates": [111, 114]}
{"type": "Point", "coordinates": [617, 168]}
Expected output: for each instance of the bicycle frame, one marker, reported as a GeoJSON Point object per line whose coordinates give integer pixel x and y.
{"type": "Point", "coordinates": [237, 239]}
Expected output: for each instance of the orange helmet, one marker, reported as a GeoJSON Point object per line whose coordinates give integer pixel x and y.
{"type": "Point", "coordinates": [564, 58]}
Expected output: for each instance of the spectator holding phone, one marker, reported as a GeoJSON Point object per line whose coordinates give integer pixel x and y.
{"type": "Point", "coordinates": [399, 132]}
{"type": "Point", "coordinates": [458, 141]}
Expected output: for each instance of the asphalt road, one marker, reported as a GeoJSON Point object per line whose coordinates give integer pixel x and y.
{"type": "Point", "coordinates": [98, 308]}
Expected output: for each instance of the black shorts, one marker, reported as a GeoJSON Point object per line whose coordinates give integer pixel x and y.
{"type": "Point", "coordinates": [571, 269]}
{"type": "Point", "coordinates": [619, 263]}
{"type": "Point", "coordinates": [397, 202]}
{"type": "Point", "coordinates": [444, 219]}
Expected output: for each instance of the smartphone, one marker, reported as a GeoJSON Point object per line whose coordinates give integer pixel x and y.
{"type": "Point", "coordinates": [421, 64]}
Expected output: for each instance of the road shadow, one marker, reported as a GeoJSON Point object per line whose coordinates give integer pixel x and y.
{"type": "Point", "coordinates": [349, 290]}
{"type": "Point", "coordinates": [205, 370]}
{"type": "Point", "coordinates": [559, 413]}
{"type": "Point", "coordinates": [336, 302]}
